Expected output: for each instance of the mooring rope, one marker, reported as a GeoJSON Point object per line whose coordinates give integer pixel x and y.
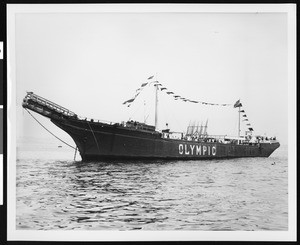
{"type": "Point", "coordinates": [49, 131]}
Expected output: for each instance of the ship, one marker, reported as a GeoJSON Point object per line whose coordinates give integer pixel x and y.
{"type": "Point", "coordinates": [133, 140]}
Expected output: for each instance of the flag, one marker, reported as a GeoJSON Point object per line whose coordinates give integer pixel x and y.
{"type": "Point", "coordinates": [150, 77]}
{"type": "Point", "coordinates": [128, 101]}
{"type": "Point", "coordinates": [237, 104]}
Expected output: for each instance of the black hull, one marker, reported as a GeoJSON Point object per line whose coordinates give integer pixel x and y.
{"type": "Point", "coordinates": [100, 141]}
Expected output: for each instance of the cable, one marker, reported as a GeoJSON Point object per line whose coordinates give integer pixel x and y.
{"type": "Point", "coordinates": [49, 131]}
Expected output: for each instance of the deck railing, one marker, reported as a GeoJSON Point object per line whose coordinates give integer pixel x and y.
{"type": "Point", "coordinates": [47, 103]}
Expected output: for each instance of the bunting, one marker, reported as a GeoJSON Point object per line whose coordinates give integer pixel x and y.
{"type": "Point", "coordinates": [176, 97]}
{"type": "Point", "coordinates": [244, 116]}
{"type": "Point", "coordinates": [138, 91]}
{"type": "Point", "coordinates": [237, 104]}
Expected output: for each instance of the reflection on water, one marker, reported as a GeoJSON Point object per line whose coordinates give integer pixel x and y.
{"type": "Point", "coordinates": [239, 194]}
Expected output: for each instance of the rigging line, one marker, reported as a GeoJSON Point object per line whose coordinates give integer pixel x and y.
{"type": "Point", "coordinates": [176, 121]}
{"type": "Point", "coordinates": [94, 136]}
{"type": "Point", "coordinates": [50, 131]}
{"type": "Point", "coordinates": [135, 112]}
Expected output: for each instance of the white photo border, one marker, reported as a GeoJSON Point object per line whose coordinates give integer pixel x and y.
{"type": "Point", "coordinates": [79, 235]}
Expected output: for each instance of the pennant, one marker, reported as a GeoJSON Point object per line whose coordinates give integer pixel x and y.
{"type": "Point", "coordinates": [144, 84]}
{"type": "Point", "coordinates": [128, 101]}
{"type": "Point", "coordinates": [170, 93]}
{"type": "Point", "coordinates": [237, 104]}
{"type": "Point", "coordinates": [242, 111]}
{"type": "Point", "coordinates": [251, 129]}
{"type": "Point", "coordinates": [161, 89]}
{"type": "Point", "coordinates": [176, 96]}
{"type": "Point", "coordinates": [244, 115]}
{"type": "Point", "coordinates": [150, 77]}
{"type": "Point", "coordinates": [245, 120]}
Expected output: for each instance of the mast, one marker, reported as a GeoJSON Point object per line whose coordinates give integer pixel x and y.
{"type": "Point", "coordinates": [144, 112]}
{"type": "Point", "coordinates": [156, 102]}
{"type": "Point", "coordinates": [201, 128]}
{"type": "Point", "coordinates": [239, 122]}
{"type": "Point", "coordinates": [205, 127]}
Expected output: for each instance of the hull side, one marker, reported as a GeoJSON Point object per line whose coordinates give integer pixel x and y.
{"type": "Point", "coordinates": [97, 141]}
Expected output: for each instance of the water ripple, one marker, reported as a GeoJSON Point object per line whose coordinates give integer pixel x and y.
{"type": "Point", "coordinates": [239, 194]}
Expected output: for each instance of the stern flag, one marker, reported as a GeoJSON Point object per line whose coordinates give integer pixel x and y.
{"type": "Point", "coordinates": [237, 104]}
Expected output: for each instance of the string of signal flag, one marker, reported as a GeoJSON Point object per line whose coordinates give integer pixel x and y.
{"type": "Point", "coordinates": [178, 97]}
{"type": "Point", "coordinates": [238, 104]}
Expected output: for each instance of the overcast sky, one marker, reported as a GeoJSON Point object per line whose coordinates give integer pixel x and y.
{"type": "Point", "coordinates": [92, 62]}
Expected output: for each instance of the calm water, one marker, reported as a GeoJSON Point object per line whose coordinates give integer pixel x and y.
{"type": "Point", "coordinates": [55, 192]}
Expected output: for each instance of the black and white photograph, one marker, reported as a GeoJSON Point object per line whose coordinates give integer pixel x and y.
{"type": "Point", "coordinates": [151, 122]}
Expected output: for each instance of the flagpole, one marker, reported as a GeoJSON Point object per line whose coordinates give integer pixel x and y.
{"type": "Point", "coordinates": [239, 122]}
{"type": "Point", "coordinates": [156, 102]}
